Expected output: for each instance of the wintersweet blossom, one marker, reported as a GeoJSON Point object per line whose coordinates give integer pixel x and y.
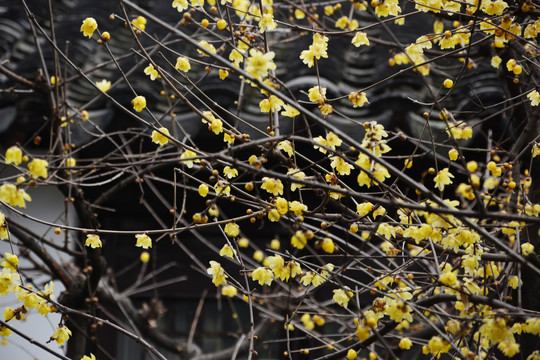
{"type": "Point", "coordinates": [218, 274]}
{"type": "Point", "coordinates": [139, 103]}
{"type": "Point", "coordinates": [91, 357]}
{"type": "Point", "coordinates": [286, 146]}
{"type": "Point", "coordinates": [263, 275]}
{"type": "Point", "coordinates": [527, 248]}
{"type": "Point", "coordinates": [38, 168]}
{"type": "Point", "coordinates": [232, 229]}
{"type": "Point", "coordinates": [180, 5]}
{"type": "Point", "coordinates": [342, 297]}
{"type": "Point", "coordinates": [139, 22]}
{"type": "Point", "coordinates": [360, 38]}
{"type": "Point", "coordinates": [10, 262]}
{"type": "Point", "coordinates": [188, 158]}
{"type": "Point", "coordinates": [273, 186]}
{"type": "Point", "coordinates": [151, 71]}
{"type": "Point", "coordinates": [443, 177]}
{"type": "Point", "coordinates": [61, 335]}
{"type": "Point", "coordinates": [143, 241]}
{"type": "Point", "coordinates": [230, 172]}
{"type": "Point", "coordinates": [358, 99]}
{"type": "Point", "coordinates": [103, 85]}
{"type": "Point", "coordinates": [206, 46]}
{"type": "Point", "coordinates": [13, 155]}
{"type": "Point", "coordinates": [227, 251]}
{"type": "Point", "coordinates": [182, 64]}
{"type": "Point", "coordinates": [4, 234]}
{"type": "Point", "coordinates": [267, 22]}
{"type": "Point", "coordinates": [258, 64]}
{"type": "Point", "coordinates": [14, 196]}
{"type": "Point", "coordinates": [159, 137]}
{"type": "Point", "coordinates": [93, 241]}
{"type": "Point", "coordinates": [89, 25]}
{"type": "Point", "coordinates": [534, 97]}
{"type": "Point", "coordinates": [273, 103]}
{"type": "Point", "coordinates": [229, 290]}
{"type": "Point", "coordinates": [289, 111]}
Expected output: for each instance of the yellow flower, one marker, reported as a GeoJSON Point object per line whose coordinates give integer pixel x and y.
{"type": "Point", "coordinates": [89, 25]}
{"type": "Point", "coordinates": [273, 186]}
{"type": "Point", "coordinates": [14, 155]}
{"type": "Point", "coordinates": [230, 172]}
{"type": "Point", "coordinates": [453, 154]}
{"type": "Point", "coordinates": [317, 94]}
{"type": "Point", "coordinates": [258, 255]}
{"type": "Point", "coordinates": [321, 141]}
{"type": "Point", "coordinates": [496, 61]}
{"type": "Point", "coordinates": [229, 290]}
{"type": "Point", "coordinates": [342, 297]}
{"type": "Point", "coordinates": [448, 278]}
{"type": "Point", "coordinates": [286, 146]}
{"type": "Point", "coordinates": [514, 281]}
{"type": "Point", "coordinates": [216, 126]}
{"type": "Point", "coordinates": [228, 138]}
{"type": "Point", "coordinates": [364, 208]}
{"type": "Point", "coordinates": [3, 227]}
{"type": "Point", "coordinates": [14, 196]}
{"type": "Point", "coordinates": [91, 357]}
{"type": "Point", "coordinates": [328, 245]}
{"type": "Point", "coordinates": [232, 229]}
{"type": "Point", "coordinates": [223, 73]}
{"type": "Point", "coordinates": [10, 263]}
{"type": "Point", "coordinates": [103, 85]}
{"type": "Point", "coordinates": [273, 103]}
{"type": "Point", "coordinates": [71, 162]}
{"type": "Point", "coordinates": [258, 64]}
{"type": "Point", "coordinates": [405, 343]}
{"type": "Point", "coordinates": [38, 168]}
{"type": "Point", "coordinates": [527, 248]}
{"type": "Point", "coordinates": [299, 240]}
{"type": "Point", "coordinates": [182, 64]}
{"type": "Point", "coordinates": [297, 207]}
{"type": "Point", "coordinates": [263, 275]}
{"type": "Point", "coordinates": [180, 5]}
{"type": "Point", "coordinates": [282, 205]}
{"type": "Point", "coordinates": [267, 22]}
{"type": "Point", "coordinates": [443, 178]}
{"type": "Point", "coordinates": [189, 157]}
{"type": "Point", "coordinates": [326, 109]}
{"type": "Point", "coordinates": [93, 241]}
{"type": "Point", "coordinates": [351, 354]}
{"type": "Point", "coordinates": [289, 111]}
{"type": "Point", "coordinates": [159, 138]}
{"type": "Point", "coordinates": [61, 334]}
{"type": "Point", "coordinates": [139, 103]}
{"type": "Point", "coordinates": [296, 174]}
{"type": "Point", "coordinates": [360, 38]}
{"type": "Point", "coordinates": [203, 190]}
{"type": "Point", "coordinates": [218, 274]}
{"type": "Point", "coordinates": [140, 22]}
{"type": "Point", "coordinates": [533, 96]}
{"type": "Point", "coordinates": [228, 251]}
{"type": "Point", "coordinates": [358, 99]}
{"type": "Point", "coordinates": [437, 345]}
{"type": "Point", "coordinates": [342, 167]}
{"type": "Point", "coordinates": [207, 46]}
{"type": "Point", "coordinates": [535, 150]}
{"type": "Point", "coordinates": [151, 71]}
{"type": "Point", "coordinates": [143, 241]}
{"type": "Point", "coordinates": [342, 22]}
{"type": "Point", "coordinates": [316, 50]}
